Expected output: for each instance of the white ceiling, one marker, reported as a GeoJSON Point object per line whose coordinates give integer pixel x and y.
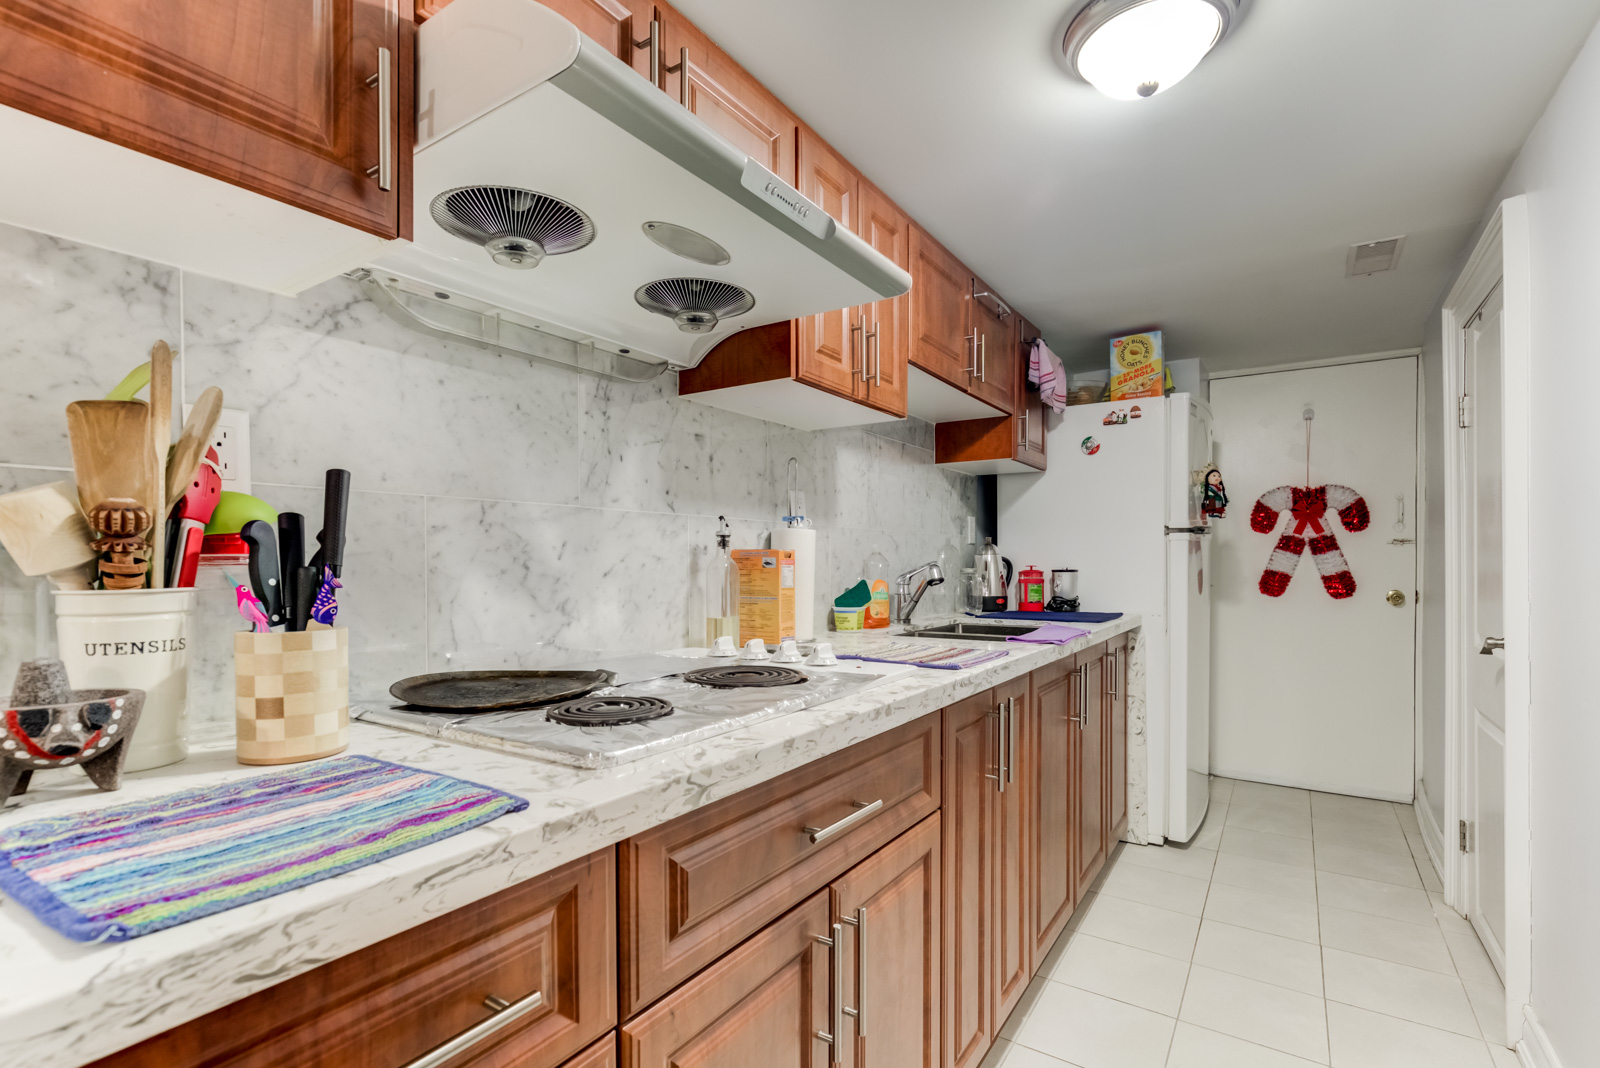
{"type": "Point", "coordinates": [1220, 210]}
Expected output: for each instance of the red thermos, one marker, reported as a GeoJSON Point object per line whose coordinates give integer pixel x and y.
{"type": "Point", "coordinates": [1030, 590]}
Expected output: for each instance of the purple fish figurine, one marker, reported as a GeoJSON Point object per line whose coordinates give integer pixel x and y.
{"type": "Point", "coordinates": [325, 608]}
{"type": "Point", "coordinates": [250, 607]}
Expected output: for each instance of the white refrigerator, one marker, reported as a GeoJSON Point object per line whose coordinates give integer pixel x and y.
{"type": "Point", "coordinates": [1120, 501]}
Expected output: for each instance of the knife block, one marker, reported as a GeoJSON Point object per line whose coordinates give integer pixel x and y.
{"type": "Point", "coordinates": [292, 694]}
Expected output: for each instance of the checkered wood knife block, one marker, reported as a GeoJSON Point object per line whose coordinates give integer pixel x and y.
{"type": "Point", "coordinates": [292, 692]}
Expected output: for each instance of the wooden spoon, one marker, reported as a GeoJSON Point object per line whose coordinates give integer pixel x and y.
{"type": "Point", "coordinates": [111, 451]}
{"type": "Point", "coordinates": [192, 443]}
{"type": "Point", "coordinates": [160, 442]}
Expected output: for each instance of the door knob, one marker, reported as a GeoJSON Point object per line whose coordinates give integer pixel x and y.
{"type": "Point", "coordinates": [1395, 597]}
{"type": "Point", "coordinates": [1490, 645]}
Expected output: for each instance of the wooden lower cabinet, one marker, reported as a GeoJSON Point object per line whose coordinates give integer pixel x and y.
{"type": "Point", "coordinates": [1013, 960]}
{"type": "Point", "coordinates": [762, 1004]}
{"type": "Point", "coordinates": [392, 1002]}
{"type": "Point", "coordinates": [888, 910]}
{"type": "Point", "coordinates": [1091, 842]}
{"type": "Point", "coordinates": [1051, 730]}
{"type": "Point", "coordinates": [603, 1054]}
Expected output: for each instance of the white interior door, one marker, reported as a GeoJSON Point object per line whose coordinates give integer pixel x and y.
{"type": "Point", "coordinates": [1481, 346]}
{"type": "Point", "coordinates": [1308, 690]}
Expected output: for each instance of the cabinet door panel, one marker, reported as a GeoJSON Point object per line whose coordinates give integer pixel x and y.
{"type": "Point", "coordinates": [725, 97]}
{"type": "Point", "coordinates": [267, 95]}
{"type": "Point", "coordinates": [1052, 784]}
{"type": "Point", "coordinates": [1030, 404]}
{"type": "Point", "coordinates": [940, 292]}
{"type": "Point", "coordinates": [888, 340]}
{"type": "Point", "coordinates": [762, 1004]}
{"type": "Point", "coordinates": [996, 377]}
{"type": "Point", "coordinates": [971, 758]}
{"type": "Point", "coordinates": [1117, 740]}
{"type": "Point", "coordinates": [1089, 762]}
{"type": "Point", "coordinates": [603, 1054]}
{"type": "Point", "coordinates": [894, 897]}
{"type": "Point", "coordinates": [830, 355]}
{"type": "Point", "coordinates": [1013, 939]}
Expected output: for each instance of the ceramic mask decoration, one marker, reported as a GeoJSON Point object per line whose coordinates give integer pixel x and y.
{"type": "Point", "coordinates": [46, 725]}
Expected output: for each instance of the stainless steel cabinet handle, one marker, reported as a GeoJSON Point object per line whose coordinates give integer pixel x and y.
{"type": "Point", "coordinates": [1083, 697]}
{"type": "Point", "coordinates": [653, 42]}
{"type": "Point", "coordinates": [973, 338]}
{"type": "Point", "coordinates": [999, 776]}
{"type": "Point", "coordinates": [983, 357]}
{"type": "Point", "coordinates": [505, 1014]}
{"type": "Point", "coordinates": [864, 810]}
{"type": "Point", "coordinates": [1111, 676]}
{"type": "Point", "coordinates": [1490, 645]}
{"type": "Point", "coordinates": [681, 69]}
{"type": "Point", "coordinates": [383, 81]}
{"type": "Point", "coordinates": [877, 359]}
{"type": "Point", "coordinates": [856, 332]}
{"type": "Point", "coordinates": [859, 1013]}
{"type": "Point", "coordinates": [1011, 739]}
{"type": "Point", "coordinates": [1001, 308]}
{"type": "Point", "coordinates": [1022, 431]}
{"type": "Point", "coordinates": [834, 1035]}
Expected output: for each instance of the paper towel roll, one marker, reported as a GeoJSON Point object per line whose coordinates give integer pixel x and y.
{"type": "Point", "coordinates": [803, 541]}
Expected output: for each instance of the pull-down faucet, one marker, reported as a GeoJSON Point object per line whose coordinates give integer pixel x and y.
{"type": "Point", "coordinates": [905, 600]}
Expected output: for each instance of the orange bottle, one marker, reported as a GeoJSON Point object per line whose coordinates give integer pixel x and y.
{"type": "Point", "coordinates": [877, 576]}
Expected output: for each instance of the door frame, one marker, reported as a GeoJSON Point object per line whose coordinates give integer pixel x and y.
{"type": "Point", "coordinates": [1501, 255]}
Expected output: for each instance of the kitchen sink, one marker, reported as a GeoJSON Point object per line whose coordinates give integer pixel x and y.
{"type": "Point", "coordinates": [983, 632]}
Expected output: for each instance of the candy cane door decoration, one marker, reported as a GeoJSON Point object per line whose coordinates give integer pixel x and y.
{"type": "Point", "coordinates": [1313, 677]}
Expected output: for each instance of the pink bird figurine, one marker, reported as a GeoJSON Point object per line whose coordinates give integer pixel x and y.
{"type": "Point", "coordinates": [250, 607]}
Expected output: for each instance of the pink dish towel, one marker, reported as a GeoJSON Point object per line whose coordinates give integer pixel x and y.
{"type": "Point", "coordinates": [1051, 634]}
{"type": "Point", "coordinates": [1046, 371]}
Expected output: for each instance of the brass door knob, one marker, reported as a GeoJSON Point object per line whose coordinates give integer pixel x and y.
{"type": "Point", "coordinates": [1395, 597]}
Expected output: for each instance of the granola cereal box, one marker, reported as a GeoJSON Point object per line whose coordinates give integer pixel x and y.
{"type": "Point", "coordinates": [1136, 367]}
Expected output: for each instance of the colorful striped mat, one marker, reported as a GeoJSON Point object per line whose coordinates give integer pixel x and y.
{"type": "Point", "coordinates": [125, 871]}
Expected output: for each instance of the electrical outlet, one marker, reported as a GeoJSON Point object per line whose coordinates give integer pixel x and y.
{"type": "Point", "coordinates": [231, 439]}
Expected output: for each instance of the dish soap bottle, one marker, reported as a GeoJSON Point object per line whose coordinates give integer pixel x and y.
{"type": "Point", "coordinates": [722, 589]}
{"type": "Point", "coordinates": [877, 579]}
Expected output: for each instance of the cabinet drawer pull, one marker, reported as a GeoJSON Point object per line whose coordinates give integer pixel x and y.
{"type": "Point", "coordinates": [857, 345]}
{"type": "Point", "coordinates": [383, 81]}
{"type": "Point", "coordinates": [983, 357]}
{"type": "Point", "coordinates": [877, 361]}
{"type": "Point", "coordinates": [999, 776]}
{"type": "Point", "coordinates": [1011, 739]}
{"type": "Point", "coordinates": [505, 1012]}
{"type": "Point", "coordinates": [653, 42]}
{"type": "Point", "coordinates": [1083, 696]}
{"type": "Point", "coordinates": [834, 1036]}
{"type": "Point", "coordinates": [681, 69]}
{"type": "Point", "coordinates": [864, 811]}
{"type": "Point", "coordinates": [1111, 676]}
{"type": "Point", "coordinates": [972, 372]}
{"type": "Point", "coordinates": [859, 1013]}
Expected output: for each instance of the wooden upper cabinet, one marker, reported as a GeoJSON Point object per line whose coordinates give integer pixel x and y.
{"type": "Point", "coordinates": [941, 290]}
{"type": "Point", "coordinates": [724, 96]}
{"type": "Point", "coordinates": [995, 326]}
{"type": "Point", "coordinates": [886, 344]}
{"type": "Point", "coordinates": [262, 94]}
{"type": "Point", "coordinates": [623, 29]}
{"type": "Point", "coordinates": [390, 1003]}
{"type": "Point", "coordinates": [832, 343]}
{"type": "Point", "coordinates": [1006, 444]}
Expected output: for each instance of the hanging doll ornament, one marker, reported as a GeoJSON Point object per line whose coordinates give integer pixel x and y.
{"type": "Point", "coordinates": [1213, 495]}
{"type": "Point", "coordinates": [1307, 508]}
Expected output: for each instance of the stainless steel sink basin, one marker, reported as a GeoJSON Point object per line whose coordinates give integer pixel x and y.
{"type": "Point", "coordinates": [983, 632]}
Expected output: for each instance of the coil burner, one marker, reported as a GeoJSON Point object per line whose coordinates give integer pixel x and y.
{"type": "Point", "coordinates": [603, 711]}
{"type": "Point", "coordinates": [744, 675]}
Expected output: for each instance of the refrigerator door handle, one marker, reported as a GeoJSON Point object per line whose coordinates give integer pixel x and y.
{"type": "Point", "coordinates": [1188, 530]}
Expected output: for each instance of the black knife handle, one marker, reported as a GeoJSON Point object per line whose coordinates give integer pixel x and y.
{"type": "Point", "coordinates": [264, 577]}
{"type": "Point", "coordinates": [335, 509]}
{"type": "Point", "coordinates": [291, 543]}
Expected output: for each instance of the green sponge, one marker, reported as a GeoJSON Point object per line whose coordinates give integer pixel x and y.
{"type": "Point", "coordinates": [857, 596]}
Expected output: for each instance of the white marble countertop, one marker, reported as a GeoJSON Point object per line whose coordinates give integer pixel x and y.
{"type": "Point", "coordinates": [65, 1003]}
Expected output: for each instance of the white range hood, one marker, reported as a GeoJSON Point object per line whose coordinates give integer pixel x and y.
{"type": "Point", "coordinates": [511, 96]}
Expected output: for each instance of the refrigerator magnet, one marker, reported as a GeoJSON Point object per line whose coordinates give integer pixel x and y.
{"type": "Point", "coordinates": [1090, 446]}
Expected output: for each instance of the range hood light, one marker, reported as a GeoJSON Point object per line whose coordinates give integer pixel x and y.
{"type": "Point", "coordinates": [1131, 49]}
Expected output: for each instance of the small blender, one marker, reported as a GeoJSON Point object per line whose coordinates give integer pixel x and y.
{"type": "Point", "coordinates": [1063, 590]}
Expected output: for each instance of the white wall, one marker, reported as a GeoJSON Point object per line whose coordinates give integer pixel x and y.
{"type": "Point", "coordinates": [1559, 170]}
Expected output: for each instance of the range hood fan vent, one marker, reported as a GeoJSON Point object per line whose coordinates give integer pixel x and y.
{"type": "Point", "coordinates": [695, 304]}
{"type": "Point", "coordinates": [519, 227]}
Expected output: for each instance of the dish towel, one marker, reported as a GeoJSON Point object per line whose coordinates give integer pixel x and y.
{"type": "Point", "coordinates": [1046, 371]}
{"type": "Point", "coordinates": [1051, 634]}
{"type": "Point", "coordinates": [116, 873]}
{"type": "Point", "coordinates": [948, 658]}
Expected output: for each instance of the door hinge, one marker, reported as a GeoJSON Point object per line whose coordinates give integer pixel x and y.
{"type": "Point", "coordinates": [1466, 836]}
{"type": "Point", "coordinates": [1464, 412]}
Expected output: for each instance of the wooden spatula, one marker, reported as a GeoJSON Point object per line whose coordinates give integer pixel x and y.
{"type": "Point", "coordinates": [192, 443]}
{"type": "Point", "coordinates": [160, 442]}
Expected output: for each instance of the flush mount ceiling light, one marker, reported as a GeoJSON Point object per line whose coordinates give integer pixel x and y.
{"type": "Point", "coordinates": [1129, 49]}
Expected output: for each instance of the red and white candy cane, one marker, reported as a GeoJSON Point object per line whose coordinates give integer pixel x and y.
{"type": "Point", "coordinates": [1306, 507]}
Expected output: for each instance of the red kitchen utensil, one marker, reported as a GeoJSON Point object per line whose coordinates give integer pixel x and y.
{"type": "Point", "coordinates": [187, 523]}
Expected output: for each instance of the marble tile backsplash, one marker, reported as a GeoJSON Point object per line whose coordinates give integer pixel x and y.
{"type": "Point", "coordinates": [505, 513]}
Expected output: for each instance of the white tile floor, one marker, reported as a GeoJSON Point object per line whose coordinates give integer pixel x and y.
{"type": "Point", "coordinates": [1297, 929]}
